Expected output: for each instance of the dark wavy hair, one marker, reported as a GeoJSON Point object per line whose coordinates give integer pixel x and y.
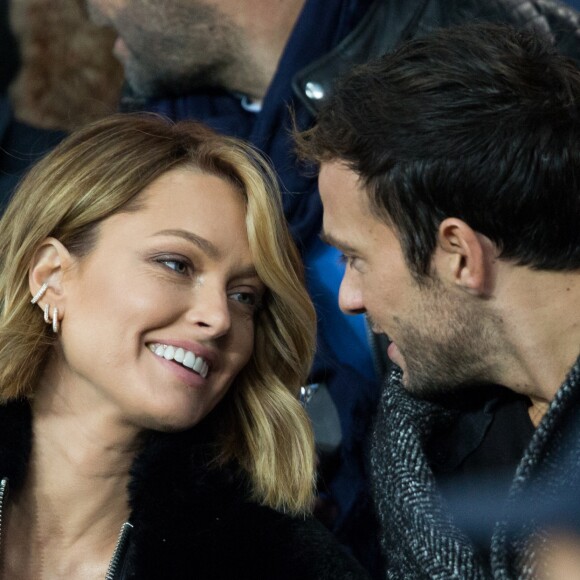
{"type": "Point", "coordinates": [479, 122]}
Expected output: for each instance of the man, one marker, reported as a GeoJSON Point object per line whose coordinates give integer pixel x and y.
{"type": "Point", "coordinates": [449, 177]}
{"type": "Point", "coordinates": [240, 67]}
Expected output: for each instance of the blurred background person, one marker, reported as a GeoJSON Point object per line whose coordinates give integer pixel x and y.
{"type": "Point", "coordinates": [58, 74]}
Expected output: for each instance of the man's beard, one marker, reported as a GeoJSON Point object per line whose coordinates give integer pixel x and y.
{"type": "Point", "coordinates": [444, 354]}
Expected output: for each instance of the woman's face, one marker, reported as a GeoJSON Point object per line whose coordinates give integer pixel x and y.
{"type": "Point", "coordinates": [159, 317]}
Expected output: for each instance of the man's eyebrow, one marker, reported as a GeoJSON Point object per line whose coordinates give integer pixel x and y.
{"type": "Point", "coordinates": [204, 245]}
{"type": "Point", "coordinates": [332, 241]}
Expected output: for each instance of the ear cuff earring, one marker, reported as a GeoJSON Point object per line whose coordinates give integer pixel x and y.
{"type": "Point", "coordinates": [47, 317]}
{"type": "Point", "coordinates": [54, 320]}
{"type": "Point", "coordinates": [39, 294]}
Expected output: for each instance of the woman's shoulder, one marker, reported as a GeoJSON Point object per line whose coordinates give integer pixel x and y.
{"type": "Point", "coordinates": [208, 524]}
{"type": "Point", "coordinates": [294, 546]}
{"type": "Point", "coordinates": [248, 540]}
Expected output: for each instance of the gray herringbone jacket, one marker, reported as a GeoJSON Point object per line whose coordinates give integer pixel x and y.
{"type": "Point", "coordinates": [419, 537]}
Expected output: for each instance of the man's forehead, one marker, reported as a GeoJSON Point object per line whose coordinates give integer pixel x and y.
{"type": "Point", "coordinates": [339, 185]}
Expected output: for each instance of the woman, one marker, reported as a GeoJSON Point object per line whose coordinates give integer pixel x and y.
{"type": "Point", "coordinates": [151, 386]}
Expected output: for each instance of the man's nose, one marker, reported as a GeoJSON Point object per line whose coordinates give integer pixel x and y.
{"type": "Point", "coordinates": [350, 297]}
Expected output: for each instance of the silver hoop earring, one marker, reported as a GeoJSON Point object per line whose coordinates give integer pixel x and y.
{"type": "Point", "coordinates": [39, 294]}
{"type": "Point", "coordinates": [46, 309]}
{"type": "Point", "coordinates": [55, 320]}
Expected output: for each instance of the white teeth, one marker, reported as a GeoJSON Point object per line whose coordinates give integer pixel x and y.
{"type": "Point", "coordinates": [198, 365]}
{"type": "Point", "coordinates": [188, 360]}
{"type": "Point", "coordinates": [180, 355]}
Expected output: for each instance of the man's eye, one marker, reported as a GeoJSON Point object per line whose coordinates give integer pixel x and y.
{"type": "Point", "coordinates": [346, 260]}
{"type": "Point", "coordinates": [351, 262]}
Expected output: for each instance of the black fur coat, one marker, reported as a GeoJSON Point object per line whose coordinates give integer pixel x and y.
{"type": "Point", "coordinates": [192, 522]}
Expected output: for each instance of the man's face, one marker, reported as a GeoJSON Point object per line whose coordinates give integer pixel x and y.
{"type": "Point", "coordinates": [438, 339]}
{"type": "Point", "coordinates": [171, 47]}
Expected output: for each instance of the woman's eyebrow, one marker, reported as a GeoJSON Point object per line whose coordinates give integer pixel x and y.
{"type": "Point", "coordinates": [204, 245]}
{"type": "Point", "coordinates": [207, 248]}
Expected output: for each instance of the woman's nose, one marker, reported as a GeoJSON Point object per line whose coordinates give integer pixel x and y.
{"type": "Point", "coordinates": [210, 311]}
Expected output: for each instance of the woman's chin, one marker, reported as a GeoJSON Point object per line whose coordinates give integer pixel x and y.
{"type": "Point", "coordinates": [169, 421]}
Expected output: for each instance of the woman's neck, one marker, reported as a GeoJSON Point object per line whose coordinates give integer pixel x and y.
{"type": "Point", "coordinates": [67, 516]}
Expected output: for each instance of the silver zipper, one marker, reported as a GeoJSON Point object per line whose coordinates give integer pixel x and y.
{"type": "Point", "coordinates": [3, 495]}
{"type": "Point", "coordinates": [119, 553]}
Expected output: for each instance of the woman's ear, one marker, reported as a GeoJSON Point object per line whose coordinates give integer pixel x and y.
{"type": "Point", "coordinates": [47, 266]}
{"type": "Point", "coordinates": [465, 257]}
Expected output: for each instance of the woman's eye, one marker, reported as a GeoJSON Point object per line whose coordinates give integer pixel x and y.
{"type": "Point", "coordinates": [245, 298]}
{"type": "Point", "coordinates": [178, 266]}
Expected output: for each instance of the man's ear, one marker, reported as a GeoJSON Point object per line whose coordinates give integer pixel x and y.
{"type": "Point", "coordinates": [47, 266]}
{"type": "Point", "coordinates": [465, 257]}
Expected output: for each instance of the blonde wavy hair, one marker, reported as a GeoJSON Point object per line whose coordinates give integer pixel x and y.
{"type": "Point", "coordinates": [100, 170]}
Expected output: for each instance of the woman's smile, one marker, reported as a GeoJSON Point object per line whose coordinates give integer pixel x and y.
{"type": "Point", "coordinates": [185, 358]}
